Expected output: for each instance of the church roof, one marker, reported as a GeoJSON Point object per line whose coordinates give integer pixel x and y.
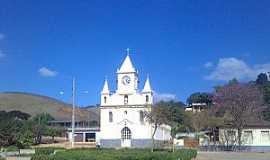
{"type": "Point", "coordinates": [147, 86]}
{"type": "Point", "coordinates": [126, 66]}
{"type": "Point", "coordinates": [105, 89]}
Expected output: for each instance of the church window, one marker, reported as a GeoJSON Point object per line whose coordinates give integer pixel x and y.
{"type": "Point", "coordinates": [110, 117]}
{"type": "Point", "coordinates": [147, 98]}
{"type": "Point", "coordinates": [125, 133]}
{"type": "Point", "coordinates": [126, 99]}
{"type": "Point", "coordinates": [141, 116]}
{"type": "Point", "coordinates": [125, 112]}
{"type": "Point", "coordinates": [105, 99]}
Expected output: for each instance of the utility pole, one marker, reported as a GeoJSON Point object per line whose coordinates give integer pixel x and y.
{"type": "Point", "coordinates": [73, 112]}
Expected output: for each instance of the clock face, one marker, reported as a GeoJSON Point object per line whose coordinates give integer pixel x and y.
{"type": "Point", "coordinates": [126, 80]}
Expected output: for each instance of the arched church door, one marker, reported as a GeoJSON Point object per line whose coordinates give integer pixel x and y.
{"type": "Point", "coordinates": [125, 137]}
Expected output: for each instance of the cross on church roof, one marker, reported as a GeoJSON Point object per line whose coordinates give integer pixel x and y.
{"type": "Point", "coordinates": [128, 50]}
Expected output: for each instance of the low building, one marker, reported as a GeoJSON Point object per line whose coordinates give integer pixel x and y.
{"type": "Point", "coordinates": [255, 137]}
{"type": "Point", "coordinates": [84, 131]}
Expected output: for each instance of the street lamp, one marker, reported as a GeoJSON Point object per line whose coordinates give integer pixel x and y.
{"type": "Point", "coordinates": [73, 112]}
{"type": "Point", "coordinates": [73, 109]}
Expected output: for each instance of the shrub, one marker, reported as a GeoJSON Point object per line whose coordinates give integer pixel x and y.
{"type": "Point", "coordinates": [11, 148]}
{"type": "Point", "coordinates": [42, 157]}
{"type": "Point", "coordinates": [44, 151]}
{"type": "Point", "coordinates": [125, 154]}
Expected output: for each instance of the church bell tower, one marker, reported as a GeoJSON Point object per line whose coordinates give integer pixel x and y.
{"type": "Point", "coordinates": [127, 77]}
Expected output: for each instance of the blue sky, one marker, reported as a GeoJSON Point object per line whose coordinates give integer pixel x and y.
{"type": "Point", "coordinates": [185, 46]}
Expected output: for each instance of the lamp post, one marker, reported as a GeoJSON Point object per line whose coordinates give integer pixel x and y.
{"type": "Point", "coordinates": [73, 112]}
{"type": "Point", "coordinates": [73, 109]}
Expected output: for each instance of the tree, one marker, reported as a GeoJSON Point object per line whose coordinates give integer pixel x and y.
{"type": "Point", "coordinates": [200, 97]}
{"type": "Point", "coordinates": [170, 113]}
{"type": "Point", "coordinates": [233, 81]}
{"type": "Point", "coordinates": [53, 131]}
{"type": "Point", "coordinates": [10, 125]}
{"type": "Point", "coordinates": [18, 115]}
{"type": "Point", "coordinates": [263, 83]}
{"type": "Point", "coordinates": [43, 118]}
{"type": "Point", "coordinates": [175, 119]}
{"type": "Point", "coordinates": [39, 126]}
{"type": "Point", "coordinates": [262, 79]}
{"type": "Point", "coordinates": [8, 130]}
{"type": "Point", "coordinates": [25, 137]}
{"type": "Point", "coordinates": [199, 121]}
{"type": "Point", "coordinates": [157, 116]}
{"type": "Point", "coordinates": [240, 104]}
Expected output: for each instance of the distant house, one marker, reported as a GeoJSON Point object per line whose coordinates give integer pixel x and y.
{"type": "Point", "coordinates": [255, 136]}
{"type": "Point", "coordinates": [196, 107]}
{"type": "Point", "coordinates": [85, 131]}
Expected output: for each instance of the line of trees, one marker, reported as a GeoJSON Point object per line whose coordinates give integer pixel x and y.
{"type": "Point", "coordinates": [21, 130]}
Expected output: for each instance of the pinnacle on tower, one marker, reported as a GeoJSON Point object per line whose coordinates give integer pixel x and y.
{"type": "Point", "coordinates": [147, 86]}
{"type": "Point", "coordinates": [127, 65]}
{"type": "Point", "coordinates": [105, 89]}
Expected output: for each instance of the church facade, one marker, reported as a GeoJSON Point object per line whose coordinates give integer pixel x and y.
{"type": "Point", "coordinates": [122, 120]}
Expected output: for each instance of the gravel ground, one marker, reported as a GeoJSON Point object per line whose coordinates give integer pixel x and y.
{"type": "Point", "coordinates": [232, 156]}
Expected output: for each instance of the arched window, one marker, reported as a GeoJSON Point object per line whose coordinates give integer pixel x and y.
{"type": "Point", "coordinates": [105, 99]}
{"type": "Point", "coordinates": [141, 116]}
{"type": "Point", "coordinates": [110, 117]}
{"type": "Point", "coordinates": [147, 98]}
{"type": "Point", "coordinates": [126, 99]}
{"type": "Point", "coordinates": [125, 112]}
{"type": "Point", "coordinates": [125, 133]}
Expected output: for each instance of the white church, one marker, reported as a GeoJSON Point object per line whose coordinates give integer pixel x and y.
{"type": "Point", "coordinates": [122, 121]}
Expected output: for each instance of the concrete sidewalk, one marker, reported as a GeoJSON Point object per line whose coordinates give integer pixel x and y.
{"type": "Point", "coordinates": [232, 156]}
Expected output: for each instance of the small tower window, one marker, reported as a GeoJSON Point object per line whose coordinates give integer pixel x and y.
{"type": "Point", "coordinates": [126, 99]}
{"type": "Point", "coordinates": [110, 117]}
{"type": "Point", "coordinates": [147, 98]}
{"type": "Point", "coordinates": [105, 99]}
{"type": "Point", "coordinates": [141, 116]}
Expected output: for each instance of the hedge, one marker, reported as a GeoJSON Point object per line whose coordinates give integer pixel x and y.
{"type": "Point", "coordinates": [44, 151]}
{"type": "Point", "coordinates": [111, 154]}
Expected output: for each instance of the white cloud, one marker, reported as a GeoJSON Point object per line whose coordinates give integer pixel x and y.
{"type": "Point", "coordinates": [45, 72]}
{"type": "Point", "coordinates": [2, 36]}
{"type": "Point", "coordinates": [2, 55]}
{"type": "Point", "coordinates": [229, 68]}
{"type": "Point", "coordinates": [208, 65]}
{"type": "Point", "coordinates": [164, 97]}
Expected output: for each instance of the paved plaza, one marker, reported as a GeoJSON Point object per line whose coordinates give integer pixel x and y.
{"type": "Point", "coordinates": [232, 156]}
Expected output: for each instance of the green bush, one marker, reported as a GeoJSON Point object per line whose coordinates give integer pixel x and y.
{"type": "Point", "coordinates": [44, 151]}
{"type": "Point", "coordinates": [42, 157]}
{"type": "Point", "coordinates": [11, 148]}
{"type": "Point", "coordinates": [126, 154]}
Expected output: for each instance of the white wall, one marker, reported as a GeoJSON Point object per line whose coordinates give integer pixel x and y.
{"type": "Point", "coordinates": [256, 138]}
{"type": "Point", "coordinates": [133, 99]}
{"type": "Point", "coordinates": [112, 130]}
{"type": "Point", "coordinates": [163, 133]}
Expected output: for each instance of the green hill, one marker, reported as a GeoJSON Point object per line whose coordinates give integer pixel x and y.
{"type": "Point", "coordinates": [34, 104]}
